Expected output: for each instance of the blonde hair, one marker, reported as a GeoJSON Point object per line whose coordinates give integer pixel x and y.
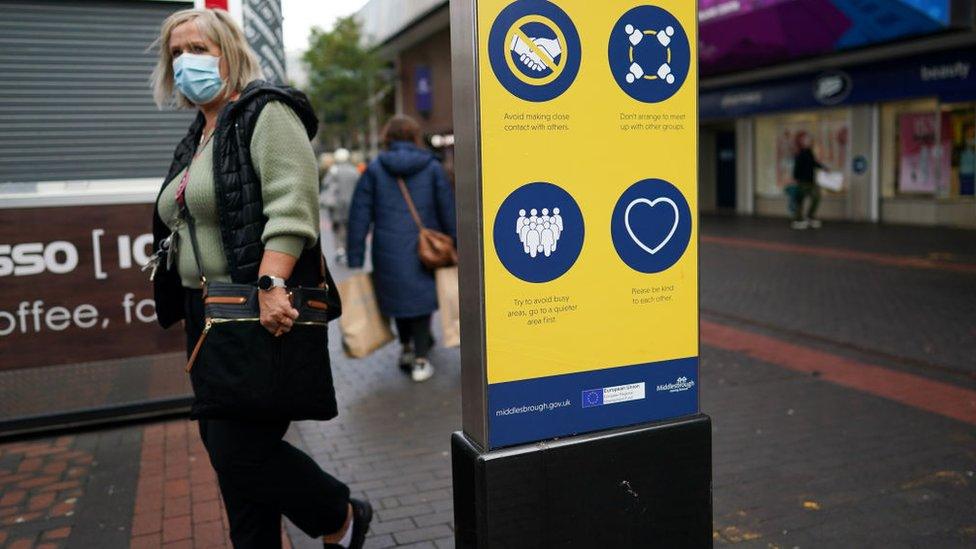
{"type": "Point", "coordinates": [219, 27]}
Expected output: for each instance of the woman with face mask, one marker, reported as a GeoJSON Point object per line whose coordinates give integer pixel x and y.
{"type": "Point", "coordinates": [246, 177]}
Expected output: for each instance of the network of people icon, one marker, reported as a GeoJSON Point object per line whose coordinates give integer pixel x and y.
{"type": "Point", "coordinates": [539, 234]}
{"type": "Point", "coordinates": [637, 72]}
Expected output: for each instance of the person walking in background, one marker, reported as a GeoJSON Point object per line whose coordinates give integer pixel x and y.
{"type": "Point", "coordinates": [205, 64]}
{"type": "Point", "coordinates": [339, 184]}
{"type": "Point", "coordinates": [805, 166]}
{"type": "Point", "coordinates": [358, 160]}
{"type": "Point", "coordinates": [405, 289]}
{"type": "Point", "coordinates": [967, 161]}
{"type": "Point", "coordinates": [326, 161]}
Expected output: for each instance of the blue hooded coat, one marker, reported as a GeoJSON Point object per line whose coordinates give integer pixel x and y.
{"type": "Point", "coordinates": [404, 287]}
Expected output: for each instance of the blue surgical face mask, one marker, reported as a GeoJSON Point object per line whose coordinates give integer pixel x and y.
{"type": "Point", "coordinates": [197, 77]}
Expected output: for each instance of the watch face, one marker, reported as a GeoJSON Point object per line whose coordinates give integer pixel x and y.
{"type": "Point", "coordinates": [265, 282]}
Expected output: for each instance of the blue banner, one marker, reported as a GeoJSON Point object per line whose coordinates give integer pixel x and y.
{"type": "Point", "coordinates": [566, 405]}
{"type": "Point", "coordinates": [948, 75]}
{"type": "Point", "coordinates": [424, 90]}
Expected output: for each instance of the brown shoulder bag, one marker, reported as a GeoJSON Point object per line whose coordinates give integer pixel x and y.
{"type": "Point", "coordinates": [435, 248]}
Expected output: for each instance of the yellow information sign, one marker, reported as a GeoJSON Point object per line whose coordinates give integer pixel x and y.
{"type": "Point", "coordinates": [589, 143]}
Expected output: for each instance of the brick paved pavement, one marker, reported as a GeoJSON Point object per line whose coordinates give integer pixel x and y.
{"type": "Point", "coordinates": [798, 461]}
{"type": "Point", "coordinates": [68, 491]}
{"type": "Point", "coordinates": [947, 245]}
{"type": "Point", "coordinates": [391, 444]}
{"type": "Point", "coordinates": [177, 498]}
{"type": "Point", "coordinates": [922, 318]}
{"type": "Point", "coordinates": [804, 456]}
{"type": "Point", "coordinates": [177, 502]}
{"type": "Point", "coordinates": [41, 483]}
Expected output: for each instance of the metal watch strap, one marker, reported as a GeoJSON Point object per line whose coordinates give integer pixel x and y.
{"type": "Point", "coordinates": [276, 282]}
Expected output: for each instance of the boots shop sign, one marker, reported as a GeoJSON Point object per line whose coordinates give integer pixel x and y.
{"type": "Point", "coordinates": [73, 288]}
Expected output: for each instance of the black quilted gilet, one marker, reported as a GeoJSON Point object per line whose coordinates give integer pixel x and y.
{"type": "Point", "coordinates": [240, 208]}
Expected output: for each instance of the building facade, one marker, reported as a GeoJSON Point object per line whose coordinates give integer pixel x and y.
{"type": "Point", "coordinates": [886, 90]}
{"type": "Point", "coordinates": [414, 36]}
{"type": "Point", "coordinates": [888, 96]}
{"type": "Point", "coordinates": [83, 152]}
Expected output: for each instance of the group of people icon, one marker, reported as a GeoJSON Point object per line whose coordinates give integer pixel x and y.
{"type": "Point", "coordinates": [664, 37]}
{"type": "Point", "coordinates": [539, 234]}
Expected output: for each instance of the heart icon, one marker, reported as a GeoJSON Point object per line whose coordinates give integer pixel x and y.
{"type": "Point", "coordinates": [651, 203]}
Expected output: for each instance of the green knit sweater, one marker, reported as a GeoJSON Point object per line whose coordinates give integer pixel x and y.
{"type": "Point", "coordinates": [285, 163]}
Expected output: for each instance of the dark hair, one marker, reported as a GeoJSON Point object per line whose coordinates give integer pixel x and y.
{"type": "Point", "coordinates": [799, 138]}
{"type": "Point", "coordinates": [401, 128]}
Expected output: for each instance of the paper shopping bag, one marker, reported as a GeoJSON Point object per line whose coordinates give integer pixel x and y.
{"type": "Point", "coordinates": [832, 181]}
{"type": "Point", "coordinates": [364, 328]}
{"type": "Point", "coordinates": [448, 305]}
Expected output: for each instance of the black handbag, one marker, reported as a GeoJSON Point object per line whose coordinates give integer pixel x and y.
{"type": "Point", "coordinates": [239, 370]}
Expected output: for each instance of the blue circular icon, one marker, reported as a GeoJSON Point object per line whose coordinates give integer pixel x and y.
{"type": "Point", "coordinates": [651, 226]}
{"type": "Point", "coordinates": [859, 165]}
{"type": "Point", "coordinates": [534, 50]}
{"type": "Point", "coordinates": [649, 54]}
{"type": "Point", "coordinates": [538, 232]}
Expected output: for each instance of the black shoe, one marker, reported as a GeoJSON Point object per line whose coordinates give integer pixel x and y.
{"type": "Point", "coordinates": [362, 515]}
{"type": "Point", "coordinates": [407, 357]}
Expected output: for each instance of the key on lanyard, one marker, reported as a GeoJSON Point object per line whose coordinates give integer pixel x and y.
{"type": "Point", "coordinates": [152, 264]}
{"type": "Point", "coordinates": [171, 244]}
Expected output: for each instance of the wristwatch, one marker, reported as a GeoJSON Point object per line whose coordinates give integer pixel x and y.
{"type": "Point", "coordinates": [266, 282]}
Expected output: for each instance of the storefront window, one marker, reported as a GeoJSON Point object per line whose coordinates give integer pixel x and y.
{"type": "Point", "coordinates": [928, 149]}
{"type": "Point", "coordinates": [961, 123]}
{"type": "Point", "coordinates": [924, 154]}
{"type": "Point", "coordinates": [776, 139]}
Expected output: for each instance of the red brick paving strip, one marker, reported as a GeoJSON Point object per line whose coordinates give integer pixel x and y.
{"type": "Point", "coordinates": [22, 543]}
{"type": "Point", "coordinates": [916, 391]}
{"type": "Point", "coordinates": [59, 533]}
{"type": "Point", "coordinates": [842, 254]}
{"type": "Point", "coordinates": [177, 497]}
{"type": "Point", "coordinates": [44, 485]}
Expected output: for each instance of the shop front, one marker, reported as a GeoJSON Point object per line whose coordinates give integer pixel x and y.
{"type": "Point", "coordinates": [82, 152]}
{"type": "Point", "coordinates": [927, 152]}
{"type": "Point", "coordinates": [416, 40]}
{"type": "Point", "coordinates": [829, 131]}
{"type": "Point", "coordinates": [83, 149]}
{"type": "Point", "coordinates": [897, 133]}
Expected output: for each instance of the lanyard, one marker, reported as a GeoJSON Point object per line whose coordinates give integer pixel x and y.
{"type": "Point", "coordinates": [185, 211]}
{"type": "Point", "coordinates": [181, 188]}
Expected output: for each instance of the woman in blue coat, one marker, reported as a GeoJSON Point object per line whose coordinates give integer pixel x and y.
{"type": "Point", "coordinates": [405, 289]}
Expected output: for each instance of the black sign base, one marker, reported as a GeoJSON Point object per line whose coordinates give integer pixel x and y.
{"type": "Point", "coordinates": [646, 486]}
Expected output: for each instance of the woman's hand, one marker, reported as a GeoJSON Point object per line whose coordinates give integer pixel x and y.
{"type": "Point", "coordinates": [277, 313]}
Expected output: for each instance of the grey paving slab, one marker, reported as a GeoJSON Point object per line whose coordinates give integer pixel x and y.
{"type": "Point", "coordinates": [943, 243]}
{"type": "Point", "coordinates": [922, 316]}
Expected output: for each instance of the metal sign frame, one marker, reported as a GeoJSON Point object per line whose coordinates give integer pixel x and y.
{"type": "Point", "coordinates": [471, 273]}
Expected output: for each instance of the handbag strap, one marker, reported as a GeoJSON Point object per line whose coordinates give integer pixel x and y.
{"type": "Point", "coordinates": [324, 284]}
{"type": "Point", "coordinates": [410, 205]}
{"type": "Point", "coordinates": [191, 228]}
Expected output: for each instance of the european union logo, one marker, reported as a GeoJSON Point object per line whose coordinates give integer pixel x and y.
{"type": "Point", "coordinates": [592, 398]}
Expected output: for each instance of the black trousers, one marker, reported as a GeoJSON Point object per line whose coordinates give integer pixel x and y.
{"type": "Point", "coordinates": [261, 476]}
{"type": "Point", "coordinates": [415, 331]}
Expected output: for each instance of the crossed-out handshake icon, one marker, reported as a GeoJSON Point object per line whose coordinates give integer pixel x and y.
{"type": "Point", "coordinates": [527, 55]}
